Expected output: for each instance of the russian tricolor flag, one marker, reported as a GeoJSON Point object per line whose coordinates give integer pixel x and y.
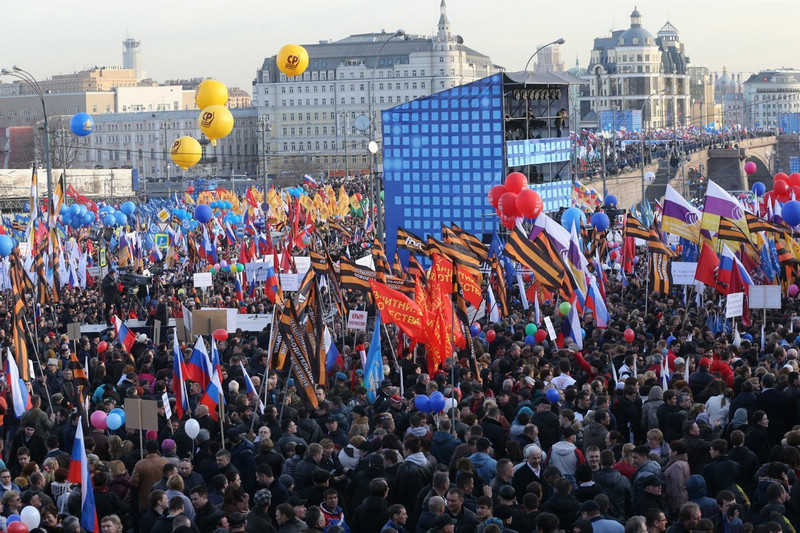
{"type": "Point", "coordinates": [332, 355]}
{"type": "Point", "coordinates": [125, 336]}
{"type": "Point", "coordinates": [251, 389]}
{"type": "Point", "coordinates": [197, 368]}
{"type": "Point", "coordinates": [213, 392]}
{"type": "Point", "coordinates": [79, 473]}
{"type": "Point", "coordinates": [271, 285]}
{"type": "Point", "coordinates": [19, 391]}
{"type": "Point", "coordinates": [311, 182]}
{"type": "Point", "coordinates": [238, 292]}
{"type": "Point", "coordinates": [179, 378]}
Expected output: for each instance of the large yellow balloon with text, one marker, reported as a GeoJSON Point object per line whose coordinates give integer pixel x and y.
{"type": "Point", "coordinates": [292, 60]}
{"type": "Point", "coordinates": [216, 122]}
{"type": "Point", "coordinates": [186, 152]}
{"type": "Point", "coordinates": [211, 92]}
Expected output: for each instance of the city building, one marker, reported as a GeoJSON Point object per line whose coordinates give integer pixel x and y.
{"type": "Point", "coordinates": [729, 94]}
{"type": "Point", "coordinates": [769, 93]}
{"type": "Point", "coordinates": [634, 70]}
{"type": "Point", "coordinates": [549, 59]}
{"type": "Point", "coordinates": [142, 140]}
{"type": "Point", "coordinates": [703, 110]}
{"type": "Point", "coordinates": [132, 57]}
{"type": "Point", "coordinates": [323, 120]}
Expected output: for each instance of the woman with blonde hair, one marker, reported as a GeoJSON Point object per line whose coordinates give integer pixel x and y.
{"type": "Point", "coordinates": [655, 441]}
{"type": "Point", "coordinates": [625, 465]}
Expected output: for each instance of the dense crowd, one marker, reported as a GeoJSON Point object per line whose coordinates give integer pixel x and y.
{"type": "Point", "coordinates": [542, 437]}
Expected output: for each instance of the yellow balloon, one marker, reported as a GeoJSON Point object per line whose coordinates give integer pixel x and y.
{"type": "Point", "coordinates": [292, 60]}
{"type": "Point", "coordinates": [211, 92]}
{"type": "Point", "coordinates": [216, 122]}
{"type": "Point", "coordinates": [186, 152]}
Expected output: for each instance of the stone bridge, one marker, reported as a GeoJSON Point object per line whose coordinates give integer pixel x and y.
{"type": "Point", "coordinates": [723, 165]}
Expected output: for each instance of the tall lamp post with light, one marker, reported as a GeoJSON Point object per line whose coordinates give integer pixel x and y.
{"type": "Point", "coordinates": [373, 145]}
{"type": "Point", "coordinates": [560, 40]}
{"type": "Point", "coordinates": [646, 105]}
{"type": "Point", "coordinates": [27, 78]}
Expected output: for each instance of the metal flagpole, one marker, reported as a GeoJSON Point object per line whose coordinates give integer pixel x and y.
{"type": "Point", "coordinates": [264, 390]}
{"type": "Point", "coordinates": [285, 391]}
{"type": "Point", "coordinates": [396, 361]}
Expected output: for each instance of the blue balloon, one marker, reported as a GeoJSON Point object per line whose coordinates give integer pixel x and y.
{"type": "Point", "coordinates": [109, 220]}
{"type": "Point", "coordinates": [748, 337]}
{"type": "Point", "coordinates": [66, 219]}
{"type": "Point", "coordinates": [120, 412]}
{"type": "Point", "coordinates": [64, 209]}
{"type": "Point", "coordinates": [6, 245]}
{"type": "Point", "coordinates": [474, 330]}
{"type": "Point", "coordinates": [75, 209]}
{"type": "Point", "coordinates": [600, 221]}
{"type": "Point", "coordinates": [88, 218]}
{"type": "Point", "coordinates": [573, 217]}
{"type": "Point", "coordinates": [113, 421]}
{"type": "Point", "coordinates": [611, 200]}
{"type": "Point", "coordinates": [791, 212]}
{"type": "Point", "coordinates": [76, 222]}
{"type": "Point", "coordinates": [530, 340]}
{"type": "Point", "coordinates": [436, 402]}
{"type": "Point", "coordinates": [553, 395]}
{"type": "Point", "coordinates": [81, 124]}
{"type": "Point", "coordinates": [214, 205]}
{"type": "Point", "coordinates": [128, 208]}
{"type": "Point", "coordinates": [202, 213]}
{"type": "Point", "coordinates": [121, 218]}
{"type": "Point", "coordinates": [422, 403]}
{"type": "Point", "coordinates": [759, 188]}
{"type": "Point", "coordinates": [27, 207]}
{"type": "Point", "coordinates": [13, 518]}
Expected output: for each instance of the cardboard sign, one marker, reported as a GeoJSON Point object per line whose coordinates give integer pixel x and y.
{"type": "Point", "coordinates": [734, 305]}
{"type": "Point", "coordinates": [290, 282]}
{"type": "Point", "coordinates": [202, 279]}
{"type": "Point", "coordinates": [157, 332]}
{"type": "Point", "coordinates": [683, 273]}
{"type": "Point", "coordinates": [141, 414]}
{"type": "Point", "coordinates": [207, 321]}
{"type": "Point", "coordinates": [765, 297]}
{"type": "Point", "coordinates": [74, 331]}
{"type": "Point", "coordinates": [551, 331]}
{"type": "Point", "coordinates": [357, 320]}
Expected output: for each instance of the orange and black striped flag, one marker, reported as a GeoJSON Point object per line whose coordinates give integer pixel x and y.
{"type": "Point", "coordinates": [379, 260]}
{"type": "Point", "coordinates": [408, 241]}
{"type": "Point", "coordinates": [79, 375]}
{"type": "Point", "coordinates": [397, 266]}
{"type": "Point", "coordinates": [634, 228]}
{"type": "Point", "coordinates": [473, 243]}
{"type": "Point", "coordinates": [756, 224]}
{"type": "Point", "coordinates": [728, 231]}
{"type": "Point", "coordinates": [660, 273]}
{"type": "Point", "coordinates": [656, 246]}
{"type": "Point", "coordinates": [539, 256]}
{"type": "Point", "coordinates": [335, 289]}
{"type": "Point", "coordinates": [43, 289]}
{"type": "Point", "coordinates": [319, 263]}
{"type": "Point", "coordinates": [415, 270]}
{"type": "Point", "coordinates": [341, 229]}
{"type": "Point", "coordinates": [498, 282]}
{"type": "Point", "coordinates": [20, 286]}
{"type": "Point", "coordinates": [458, 254]}
{"type": "Point", "coordinates": [299, 353]}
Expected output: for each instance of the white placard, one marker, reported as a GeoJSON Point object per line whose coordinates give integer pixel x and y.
{"type": "Point", "coordinates": [290, 282]}
{"type": "Point", "coordinates": [258, 270]}
{"type": "Point", "coordinates": [683, 273]}
{"type": "Point", "coordinates": [550, 329]}
{"type": "Point", "coordinates": [167, 409]}
{"type": "Point", "coordinates": [734, 305]}
{"type": "Point", "coordinates": [94, 271]}
{"type": "Point", "coordinates": [765, 297]}
{"type": "Point", "coordinates": [202, 279]}
{"type": "Point", "coordinates": [357, 320]}
{"type": "Point", "coordinates": [303, 263]}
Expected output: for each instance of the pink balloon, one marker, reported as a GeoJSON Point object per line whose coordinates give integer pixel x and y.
{"type": "Point", "coordinates": [749, 168]}
{"type": "Point", "coordinates": [793, 290]}
{"type": "Point", "coordinates": [98, 419]}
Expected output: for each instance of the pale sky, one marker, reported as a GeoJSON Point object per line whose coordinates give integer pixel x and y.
{"type": "Point", "coordinates": [229, 39]}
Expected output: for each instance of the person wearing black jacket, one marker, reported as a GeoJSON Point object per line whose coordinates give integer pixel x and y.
{"type": "Point", "coordinates": [547, 421]}
{"type": "Point", "coordinates": [373, 513]}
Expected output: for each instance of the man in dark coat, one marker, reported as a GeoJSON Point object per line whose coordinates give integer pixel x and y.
{"type": "Point", "coordinates": [493, 430]}
{"type": "Point", "coordinates": [302, 474]}
{"type": "Point", "coordinates": [720, 472]}
{"type": "Point", "coordinates": [414, 473]}
{"type": "Point", "coordinates": [530, 471]}
{"type": "Point", "coordinates": [547, 421]}
{"type": "Point", "coordinates": [772, 402]}
{"type": "Point", "coordinates": [372, 514]}
{"type": "Point", "coordinates": [628, 410]}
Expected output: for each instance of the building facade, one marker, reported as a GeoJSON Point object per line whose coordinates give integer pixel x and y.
{"type": "Point", "coordinates": [132, 57]}
{"type": "Point", "coordinates": [323, 120]}
{"type": "Point", "coordinates": [142, 140]}
{"type": "Point", "coordinates": [769, 93]}
{"type": "Point", "coordinates": [729, 94]}
{"type": "Point", "coordinates": [634, 70]}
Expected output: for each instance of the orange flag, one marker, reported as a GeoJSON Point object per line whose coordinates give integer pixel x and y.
{"type": "Point", "coordinates": [470, 287]}
{"type": "Point", "coordinates": [398, 308]}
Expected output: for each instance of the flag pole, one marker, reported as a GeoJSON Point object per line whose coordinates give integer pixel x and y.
{"type": "Point", "coordinates": [38, 359]}
{"type": "Point", "coordinates": [285, 390]}
{"type": "Point", "coordinates": [396, 361]}
{"type": "Point", "coordinates": [271, 347]}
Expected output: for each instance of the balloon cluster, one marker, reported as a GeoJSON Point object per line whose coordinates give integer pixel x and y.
{"type": "Point", "coordinates": [110, 216]}
{"type": "Point", "coordinates": [114, 420]}
{"type": "Point", "coordinates": [786, 190]}
{"type": "Point", "coordinates": [27, 519]}
{"type": "Point", "coordinates": [435, 403]}
{"type": "Point", "coordinates": [297, 192]}
{"type": "Point", "coordinates": [76, 216]}
{"type": "Point", "coordinates": [215, 120]}
{"type": "Point", "coordinates": [514, 199]}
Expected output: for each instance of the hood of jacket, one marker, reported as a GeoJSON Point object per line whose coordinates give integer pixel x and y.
{"type": "Point", "coordinates": [696, 487]}
{"type": "Point", "coordinates": [739, 417]}
{"type": "Point", "coordinates": [442, 437]}
{"type": "Point", "coordinates": [562, 448]}
{"type": "Point", "coordinates": [656, 393]}
{"type": "Point", "coordinates": [479, 459]}
{"type": "Point", "coordinates": [418, 459]}
{"type": "Point", "coordinates": [419, 431]}
{"type": "Point", "coordinates": [594, 429]}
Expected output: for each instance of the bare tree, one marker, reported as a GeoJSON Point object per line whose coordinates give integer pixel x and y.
{"type": "Point", "coordinates": [64, 144]}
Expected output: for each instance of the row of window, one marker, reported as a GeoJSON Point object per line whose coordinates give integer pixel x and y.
{"type": "Point", "coordinates": [354, 145]}
{"type": "Point", "coordinates": [361, 87]}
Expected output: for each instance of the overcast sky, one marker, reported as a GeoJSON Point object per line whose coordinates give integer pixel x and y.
{"type": "Point", "coordinates": [229, 39]}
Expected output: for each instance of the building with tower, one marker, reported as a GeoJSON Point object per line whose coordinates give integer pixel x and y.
{"type": "Point", "coordinates": [729, 93]}
{"type": "Point", "coordinates": [549, 59]}
{"type": "Point", "coordinates": [633, 70]}
{"type": "Point", "coordinates": [322, 121]}
{"type": "Point", "coordinates": [132, 57]}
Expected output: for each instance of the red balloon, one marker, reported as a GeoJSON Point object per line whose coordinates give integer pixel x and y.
{"type": "Point", "coordinates": [629, 335]}
{"type": "Point", "coordinates": [190, 189]}
{"type": "Point", "coordinates": [17, 527]}
{"type": "Point", "coordinates": [508, 204]}
{"type": "Point", "coordinates": [508, 222]}
{"type": "Point", "coordinates": [490, 335]}
{"type": "Point", "coordinates": [495, 193]}
{"type": "Point", "coordinates": [539, 207]}
{"type": "Point", "coordinates": [794, 179]}
{"type": "Point", "coordinates": [780, 187]}
{"type": "Point", "coordinates": [540, 335]}
{"type": "Point", "coordinates": [780, 176]}
{"type": "Point", "coordinates": [516, 181]}
{"type": "Point", "coordinates": [527, 278]}
{"type": "Point", "coordinates": [529, 203]}
{"type": "Point", "coordinates": [613, 254]}
{"type": "Point", "coordinates": [221, 334]}
{"type": "Point", "coordinates": [102, 346]}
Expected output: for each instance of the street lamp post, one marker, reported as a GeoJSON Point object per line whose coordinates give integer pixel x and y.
{"type": "Point", "coordinates": [265, 128]}
{"type": "Point", "coordinates": [28, 78]}
{"type": "Point", "coordinates": [560, 40]}
{"type": "Point", "coordinates": [373, 144]}
{"type": "Point", "coordinates": [644, 130]}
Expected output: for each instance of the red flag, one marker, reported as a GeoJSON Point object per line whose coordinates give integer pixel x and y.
{"type": "Point", "coordinates": [707, 267]}
{"type": "Point", "coordinates": [398, 308]}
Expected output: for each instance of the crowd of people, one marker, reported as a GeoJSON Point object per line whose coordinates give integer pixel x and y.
{"type": "Point", "coordinates": [540, 437]}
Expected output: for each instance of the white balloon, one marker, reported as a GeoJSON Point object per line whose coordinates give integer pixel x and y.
{"type": "Point", "coordinates": [30, 517]}
{"type": "Point", "coordinates": [450, 403]}
{"type": "Point", "coordinates": [192, 428]}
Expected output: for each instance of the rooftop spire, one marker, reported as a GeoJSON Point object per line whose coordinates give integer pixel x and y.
{"type": "Point", "coordinates": [444, 23]}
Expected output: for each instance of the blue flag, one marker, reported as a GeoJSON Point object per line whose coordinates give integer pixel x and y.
{"type": "Point", "coordinates": [373, 369]}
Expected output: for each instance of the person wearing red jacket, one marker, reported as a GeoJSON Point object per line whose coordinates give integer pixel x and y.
{"type": "Point", "coordinates": [721, 366]}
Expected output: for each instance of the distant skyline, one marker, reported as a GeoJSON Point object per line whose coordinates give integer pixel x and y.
{"type": "Point", "coordinates": [230, 40]}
